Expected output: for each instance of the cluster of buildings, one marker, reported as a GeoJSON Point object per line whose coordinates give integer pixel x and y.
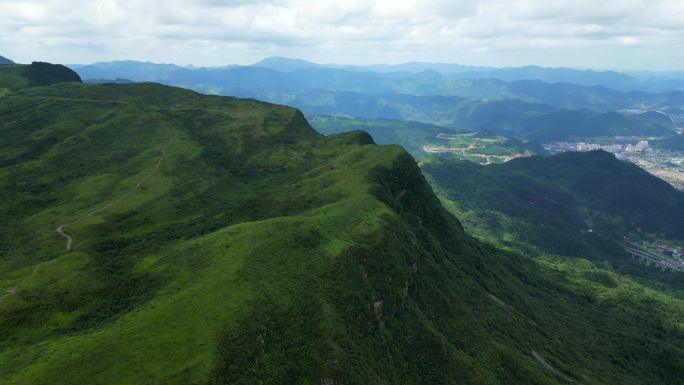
{"type": "Point", "coordinates": [664, 256]}
{"type": "Point", "coordinates": [675, 252]}
{"type": "Point", "coordinates": [665, 164]}
{"type": "Point", "coordinates": [441, 149]}
{"type": "Point", "coordinates": [555, 147]}
{"type": "Point", "coordinates": [639, 147]}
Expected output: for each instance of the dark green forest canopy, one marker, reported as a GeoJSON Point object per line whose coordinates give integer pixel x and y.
{"type": "Point", "coordinates": [16, 76]}
{"type": "Point", "coordinates": [575, 204]}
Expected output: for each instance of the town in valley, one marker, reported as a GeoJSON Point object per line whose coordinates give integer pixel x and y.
{"type": "Point", "coordinates": [665, 164]}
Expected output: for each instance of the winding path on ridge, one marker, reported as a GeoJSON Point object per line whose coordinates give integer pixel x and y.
{"type": "Point", "coordinates": [61, 229]}
{"type": "Point", "coordinates": [13, 289]}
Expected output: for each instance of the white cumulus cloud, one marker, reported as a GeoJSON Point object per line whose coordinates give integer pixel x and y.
{"type": "Point", "coordinates": [584, 33]}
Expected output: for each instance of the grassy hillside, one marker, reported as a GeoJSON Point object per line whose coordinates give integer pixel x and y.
{"type": "Point", "coordinates": [18, 76]}
{"type": "Point", "coordinates": [213, 240]}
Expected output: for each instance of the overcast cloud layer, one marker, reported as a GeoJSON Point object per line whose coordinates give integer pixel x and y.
{"type": "Point", "coordinates": [581, 33]}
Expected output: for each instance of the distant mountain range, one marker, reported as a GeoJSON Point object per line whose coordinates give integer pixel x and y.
{"type": "Point", "coordinates": [289, 64]}
{"type": "Point", "coordinates": [609, 79]}
{"type": "Point", "coordinates": [509, 117]}
{"type": "Point", "coordinates": [4, 60]}
{"type": "Point", "coordinates": [653, 81]}
{"type": "Point", "coordinates": [526, 108]}
{"type": "Point", "coordinates": [294, 76]}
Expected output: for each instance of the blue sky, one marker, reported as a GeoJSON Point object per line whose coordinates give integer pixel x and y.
{"type": "Point", "coordinates": [621, 34]}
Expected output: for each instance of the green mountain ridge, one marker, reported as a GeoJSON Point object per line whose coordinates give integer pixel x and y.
{"type": "Point", "coordinates": [215, 240]}
{"type": "Point", "coordinates": [19, 76]}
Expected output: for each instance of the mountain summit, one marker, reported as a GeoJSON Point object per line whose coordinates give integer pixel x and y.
{"type": "Point", "coordinates": [4, 60]}
{"type": "Point", "coordinates": [35, 74]}
{"type": "Point", "coordinates": [285, 64]}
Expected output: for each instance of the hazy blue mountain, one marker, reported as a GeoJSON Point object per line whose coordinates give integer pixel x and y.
{"type": "Point", "coordinates": [543, 123]}
{"type": "Point", "coordinates": [288, 64]}
{"type": "Point", "coordinates": [4, 60]}
{"type": "Point", "coordinates": [659, 80]}
{"type": "Point", "coordinates": [675, 143]}
{"type": "Point", "coordinates": [446, 69]}
{"type": "Point", "coordinates": [652, 81]}
{"type": "Point", "coordinates": [570, 96]}
{"type": "Point", "coordinates": [510, 117]}
{"type": "Point", "coordinates": [435, 109]}
{"type": "Point", "coordinates": [528, 108]}
{"type": "Point", "coordinates": [609, 79]}
{"type": "Point", "coordinates": [285, 64]}
{"type": "Point", "coordinates": [238, 80]}
{"type": "Point", "coordinates": [115, 81]}
{"type": "Point", "coordinates": [279, 74]}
